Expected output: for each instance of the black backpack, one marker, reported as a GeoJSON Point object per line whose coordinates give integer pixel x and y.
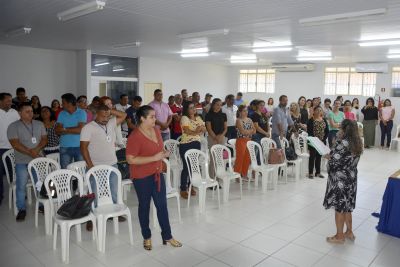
{"type": "Point", "coordinates": [123, 166]}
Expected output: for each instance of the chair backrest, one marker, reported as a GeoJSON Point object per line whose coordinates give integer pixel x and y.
{"type": "Point", "coordinates": [79, 167]}
{"type": "Point", "coordinates": [397, 132]}
{"type": "Point", "coordinates": [124, 141]}
{"type": "Point", "coordinates": [55, 156]}
{"type": "Point", "coordinates": [41, 167]}
{"type": "Point", "coordinates": [217, 153]}
{"type": "Point", "coordinates": [168, 185]}
{"type": "Point", "coordinates": [62, 180]}
{"type": "Point", "coordinates": [284, 143]}
{"type": "Point", "coordinates": [267, 144]}
{"type": "Point", "coordinates": [194, 159]}
{"type": "Point", "coordinates": [173, 147]}
{"type": "Point", "coordinates": [101, 175]}
{"type": "Point", "coordinates": [9, 165]}
{"type": "Point", "coordinates": [296, 143]}
{"type": "Point", "coordinates": [254, 150]}
{"type": "Point", "coordinates": [232, 144]}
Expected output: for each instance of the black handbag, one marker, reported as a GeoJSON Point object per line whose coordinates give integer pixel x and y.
{"type": "Point", "coordinates": [52, 187]}
{"type": "Point", "coordinates": [290, 153]}
{"type": "Point", "coordinates": [76, 207]}
{"type": "Point", "coordinates": [123, 166]}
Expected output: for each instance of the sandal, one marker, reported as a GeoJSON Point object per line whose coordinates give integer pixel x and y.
{"type": "Point", "coordinates": [147, 244]}
{"type": "Point", "coordinates": [173, 242]}
{"type": "Point", "coordinates": [335, 240]}
{"type": "Point", "coordinates": [350, 237]}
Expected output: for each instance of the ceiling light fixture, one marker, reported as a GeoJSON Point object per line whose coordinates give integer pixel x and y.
{"type": "Point", "coordinates": [343, 17]}
{"type": "Point", "coordinates": [81, 10]}
{"type": "Point", "coordinates": [101, 64]}
{"type": "Point", "coordinates": [380, 42]}
{"type": "Point", "coordinates": [204, 33]}
{"type": "Point", "coordinates": [119, 69]}
{"type": "Point", "coordinates": [244, 57]}
{"type": "Point", "coordinates": [195, 55]}
{"type": "Point", "coordinates": [18, 32]}
{"type": "Point", "coordinates": [272, 49]}
{"type": "Point", "coordinates": [393, 56]}
{"type": "Point", "coordinates": [271, 44]}
{"type": "Point", "coordinates": [314, 58]}
{"type": "Point", "coordinates": [95, 71]}
{"type": "Point", "coordinates": [195, 50]}
{"type": "Point", "coordinates": [127, 45]}
{"type": "Point", "coordinates": [242, 61]}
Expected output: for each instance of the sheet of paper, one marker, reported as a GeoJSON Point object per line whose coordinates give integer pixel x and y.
{"type": "Point", "coordinates": [321, 148]}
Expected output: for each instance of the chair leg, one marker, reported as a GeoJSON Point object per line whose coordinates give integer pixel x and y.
{"type": "Point", "coordinates": [178, 202]}
{"type": "Point", "coordinates": [190, 190]}
{"type": "Point", "coordinates": [201, 197]}
{"type": "Point", "coordinates": [241, 187]}
{"type": "Point", "coordinates": [264, 181]}
{"type": "Point", "coordinates": [103, 245]}
{"type": "Point", "coordinates": [36, 216]}
{"type": "Point", "coordinates": [29, 194]}
{"type": "Point", "coordinates": [78, 230]}
{"type": "Point", "coordinates": [100, 233]}
{"type": "Point", "coordinates": [10, 198]}
{"type": "Point", "coordinates": [15, 200]}
{"type": "Point", "coordinates": [226, 183]}
{"type": "Point", "coordinates": [48, 217]}
{"type": "Point", "coordinates": [64, 241]}
{"type": "Point", "coordinates": [55, 236]}
{"type": "Point", "coordinates": [219, 200]}
{"type": "Point", "coordinates": [130, 227]}
{"type": "Point", "coordinates": [94, 232]}
{"type": "Point", "coordinates": [256, 179]}
{"type": "Point", "coordinates": [124, 194]}
{"type": "Point", "coordinates": [67, 245]}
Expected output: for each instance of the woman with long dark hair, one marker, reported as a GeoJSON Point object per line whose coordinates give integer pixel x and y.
{"type": "Point", "coordinates": [56, 107]}
{"type": "Point", "coordinates": [36, 107]}
{"type": "Point", "coordinates": [370, 121]}
{"type": "Point", "coordinates": [341, 189]}
{"type": "Point", "coordinates": [386, 115]}
{"type": "Point", "coordinates": [192, 129]}
{"type": "Point", "coordinates": [49, 120]}
{"type": "Point", "coordinates": [261, 122]}
{"type": "Point", "coordinates": [145, 152]}
{"type": "Point", "coordinates": [303, 110]}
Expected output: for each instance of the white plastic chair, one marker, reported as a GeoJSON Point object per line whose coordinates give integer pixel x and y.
{"type": "Point", "coordinates": [267, 144]}
{"type": "Point", "coordinates": [232, 144]}
{"type": "Point", "coordinates": [42, 167]}
{"type": "Point", "coordinates": [297, 163]}
{"type": "Point", "coordinates": [171, 193]}
{"type": "Point", "coordinates": [199, 177]}
{"type": "Point", "coordinates": [300, 151]}
{"type": "Point", "coordinates": [54, 156]}
{"type": "Point", "coordinates": [224, 172]}
{"type": "Point", "coordinates": [9, 158]}
{"type": "Point", "coordinates": [62, 180]}
{"type": "Point", "coordinates": [105, 207]}
{"type": "Point", "coordinates": [266, 172]}
{"type": "Point", "coordinates": [175, 161]}
{"type": "Point", "coordinates": [395, 140]}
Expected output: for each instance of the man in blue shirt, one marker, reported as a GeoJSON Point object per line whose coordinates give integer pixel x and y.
{"type": "Point", "coordinates": [281, 119]}
{"type": "Point", "coordinates": [69, 125]}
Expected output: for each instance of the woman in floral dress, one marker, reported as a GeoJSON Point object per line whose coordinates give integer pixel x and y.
{"type": "Point", "coordinates": [341, 187]}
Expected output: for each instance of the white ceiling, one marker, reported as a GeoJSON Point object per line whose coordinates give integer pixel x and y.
{"type": "Point", "coordinates": [156, 24]}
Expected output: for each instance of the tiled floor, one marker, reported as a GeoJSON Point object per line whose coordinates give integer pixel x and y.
{"type": "Point", "coordinates": [284, 227]}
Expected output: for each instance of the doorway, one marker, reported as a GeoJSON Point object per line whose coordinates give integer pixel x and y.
{"type": "Point", "coordinates": [149, 88]}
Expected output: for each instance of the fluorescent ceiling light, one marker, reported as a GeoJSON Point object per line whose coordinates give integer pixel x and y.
{"type": "Point", "coordinates": [119, 69]}
{"type": "Point", "coordinates": [271, 44]}
{"type": "Point", "coordinates": [101, 64]}
{"type": "Point", "coordinates": [379, 37]}
{"type": "Point", "coordinates": [18, 32]}
{"type": "Point", "coordinates": [342, 17]}
{"type": "Point", "coordinates": [195, 50]}
{"type": "Point", "coordinates": [393, 56]}
{"type": "Point", "coordinates": [204, 33]}
{"type": "Point", "coordinates": [95, 71]}
{"type": "Point", "coordinates": [272, 49]}
{"type": "Point", "coordinates": [244, 57]}
{"type": "Point", "coordinates": [127, 45]}
{"type": "Point", "coordinates": [195, 55]}
{"type": "Point", "coordinates": [241, 61]}
{"type": "Point", "coordinates": [394, 51]}
{"type": "Point", "coordinates": [81, 10]}
{"type": "Point", "coordinates": [314, 58]}
{"type": "Point", "coordinates": [380, 43]}
{"type": "Point", "coordinates": [305, 53]}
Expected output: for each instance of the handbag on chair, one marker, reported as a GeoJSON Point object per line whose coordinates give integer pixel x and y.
{"type": "Point", "coordinates": [276, 156]}
{"type": "Point", "coordinates": [76, 207]}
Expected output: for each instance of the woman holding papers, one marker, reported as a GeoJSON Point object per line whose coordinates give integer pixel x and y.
{"type": "Point", "coordinates": [317, 126]}
{"type": "Point", "coordinates": [341, 189]}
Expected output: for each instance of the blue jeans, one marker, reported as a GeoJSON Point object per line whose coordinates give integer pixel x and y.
{"type": "Point", "coordinates": [146, 189]}
{"type": "Point", "coordinates": [69, 155]}
{"type": "Point", "coordinates": [386, 131]}
{"type": "Point", "coordinates": [166, 136]}
{"type": "Point", "coordinates": [277, 140]}
{"type": "Point", "coordinates": [113, 186]}
{"type": "Point", "coordinates": [22, 176]}
{"type": "Point", "coordinates": [331, 137]}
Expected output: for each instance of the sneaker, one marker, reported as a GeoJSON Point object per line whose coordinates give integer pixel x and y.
{"type": "Point", "coordinates": [21, 216]}
{"type": "Point", "coordinates": [310, 176]}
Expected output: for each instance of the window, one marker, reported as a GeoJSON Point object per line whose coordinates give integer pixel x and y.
{"type": "Point", "coordinates": [257, 81]}
{"type": "Point", "coordinates": [396, 77]}
{"type": "Point", "coordinates": [346, 81]}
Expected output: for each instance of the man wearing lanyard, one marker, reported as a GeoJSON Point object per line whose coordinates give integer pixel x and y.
{"type": "Point", "coordinates": [28, 137]}
{"type": "Point", "coordinates": [69, 125]}
{"type": "Point", "coordinates": [98, 144]}
{"type": "Point", "coordinates": [7, 116]}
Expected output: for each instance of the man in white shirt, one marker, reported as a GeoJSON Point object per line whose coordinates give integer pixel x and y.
{"type": "Point", "coordinates": [123, 106]}
{"type": "Point", "coordinates": [230, 110]}
{"type": "Point", "coordinates": [7, 116]}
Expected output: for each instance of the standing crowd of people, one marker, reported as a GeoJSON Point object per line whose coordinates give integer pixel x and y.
{"type": "Point", "coordinates": [94, 133]}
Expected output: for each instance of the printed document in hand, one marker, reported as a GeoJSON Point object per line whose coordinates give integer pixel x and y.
{"type": "Point", "coordinates": [316, 143]}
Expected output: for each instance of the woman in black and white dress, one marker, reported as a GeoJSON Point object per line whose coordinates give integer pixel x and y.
{"type": "Point", "coordinates": [341, 188]}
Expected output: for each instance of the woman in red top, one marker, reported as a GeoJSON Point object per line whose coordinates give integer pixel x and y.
{"type": "Point", "coordinates": [145, 152]}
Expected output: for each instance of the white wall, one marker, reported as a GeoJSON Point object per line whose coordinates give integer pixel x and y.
{"type": "Point", "coordinates": [176, 75]}
{"type": "Point", "coordinates": [46, 73]}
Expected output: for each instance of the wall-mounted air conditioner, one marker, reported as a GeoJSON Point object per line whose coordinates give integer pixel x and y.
{"type": "Point", "coordinates": [372, 67]}
{"type": "Point", "coordinates": [293, 67]}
